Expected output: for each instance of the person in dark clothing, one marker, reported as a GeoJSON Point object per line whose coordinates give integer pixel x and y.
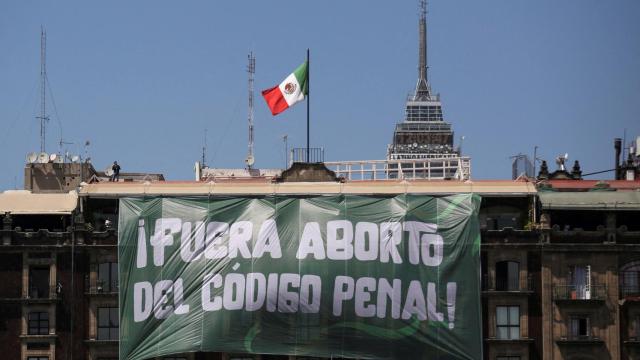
{"type": "Point", "coordinates": [116, 171]}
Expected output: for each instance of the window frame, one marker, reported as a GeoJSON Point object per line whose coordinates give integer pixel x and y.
{"type": "Point", "coordinates": [578, 317]}
{"type": "Point", "coordinates": [109, 281]}
{"type": "Point", "coordinates": [509, 326]}
{"type": "Point", "coordinates": [112, 329]}
{"type": "Point", "coordinates": [508, 279]}
{"type": "Point", "coordinates": [38, 323]}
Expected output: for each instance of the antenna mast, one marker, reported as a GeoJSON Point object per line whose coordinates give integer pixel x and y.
{"type": "Point", "coordinates": [251, 70]}
{"type": "Point", "coordinates": [43, 86]}
{"type": "Point", "coordinates": [204, 149]}
{"type": "Point", "coordinates": [423, 90]}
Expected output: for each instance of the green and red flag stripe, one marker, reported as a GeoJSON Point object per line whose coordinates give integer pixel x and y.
{"type": "Point", "coordinates": [293, 89]}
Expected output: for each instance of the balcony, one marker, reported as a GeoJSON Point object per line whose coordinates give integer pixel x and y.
{"type": "Point", "coordinates": [632, 341]}
{"type": "Point", "coordinates": [503, 286]}
{"type": "Point", "coordinates": [625, 236]}
{"type": "Point", "coordinates": [30, 237]}
{"type": "Point", "coordinates": [43, 295]}
{"type": "Point", "coordinates": [578, 235]}
{"type": "Point", "coordinates": [102, 291]}
{"type": "Point", "coordinates": [579, 293]}
{"type": "Point", "coordinates": [107, 237]}
{"type": "Point", "coordinates": [510, 235]}
{"type": "Point", "coordinates": [579, 340]}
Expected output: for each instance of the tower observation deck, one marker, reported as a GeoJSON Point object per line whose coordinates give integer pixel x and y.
{"type": "Point", "coordinates": [423, 134]}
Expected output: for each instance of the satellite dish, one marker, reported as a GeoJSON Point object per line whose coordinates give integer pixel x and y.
{"type": "Point", "coordinates": [59, 159]}
{"type": "Point", "coordinates": [108, 171]}
{"type": "Point", "coordinates": [75, 158]}
{"type": "Point", "coordinates": [53, 157]}
{"type": "Point", "coordinates": [32, 157]}
{"type": "Point", "coordinates": [250, 160]}
{"type": "Point", "coordinates": [43, 158]}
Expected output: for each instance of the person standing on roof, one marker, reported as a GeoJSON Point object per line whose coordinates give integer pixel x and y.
{"type": "Point", "coordinates": [116, 171]}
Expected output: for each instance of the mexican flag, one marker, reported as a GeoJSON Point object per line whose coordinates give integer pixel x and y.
{"type": "Point", "coordinates": [292, 90]}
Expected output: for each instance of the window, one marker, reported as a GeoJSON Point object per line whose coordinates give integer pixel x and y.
{"type": "Point", "coordinates": [38, 282]}
{"type": "Point", "coordinates": [630, 279]}
{"type": "Point", "coordinates": [108, 323]}
{"type": "Point", "coordinates": [580, 282]}
{"type": "Point", "coordinates": [507, 276]}
{"type": "Point", "coordinates": [635, 328]}
{"type": "Point", "coordinates": [38, 323]}
{"type": "Point", "coordinates": [508, 322]}
{"type": "Point", "coordinates": [579, 327]}
{"type": "Point", "coordinates": [108, 277]}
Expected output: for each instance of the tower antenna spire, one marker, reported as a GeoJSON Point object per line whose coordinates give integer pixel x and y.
{"type": "Point", "coordinates": [43, 87]}
{"type": "Point", "coordinates": [251, 70]}
{"type": "Point", "coordinates": [423, 90]}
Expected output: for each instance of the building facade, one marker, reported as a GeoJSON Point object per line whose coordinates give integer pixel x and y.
{"type": "Point", "coordinates": [560, 264]}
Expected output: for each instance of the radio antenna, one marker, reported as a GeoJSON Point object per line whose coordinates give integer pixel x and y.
{"type": "Point", "coordinates": [251, 70]}
{"type": "Point", "coordinates": [43, 89]}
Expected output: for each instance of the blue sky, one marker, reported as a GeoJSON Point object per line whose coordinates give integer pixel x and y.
{"type": "Point", "coordinates": [141, 80]}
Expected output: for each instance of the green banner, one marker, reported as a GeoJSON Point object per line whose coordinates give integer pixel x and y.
{"type": "Point", "coordinates": [331, 276]}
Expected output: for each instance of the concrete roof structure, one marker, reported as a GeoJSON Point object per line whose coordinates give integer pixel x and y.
{"type": "Point", "coordinates": [391, 187]}
{"type": "Point", "coordinates": [24, 202]}
{"type": "Point", "coordinates": [590, 200]}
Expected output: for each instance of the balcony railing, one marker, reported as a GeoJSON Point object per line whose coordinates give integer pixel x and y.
{"type": "Point", "coordinates": [505, 285]}
{"type": "Point", "coordinates": [98, 290]}
{"type": "Point", "coordinates": [41, 293]}
{"type": "Point", "coordinates": [315, 155]}
{"type": "Point", "coordinates": [579, 339]}
{"type": "Point", "coordinates": [579, 292]}
{"type": "Point", "coordinates": [409, 169]}
{"type": "Point", "coordinates": [510, 235]}
{"type": "Point", "coordinates": [29, 237]}
{"type": "Point", "coordinates": [578, 235]}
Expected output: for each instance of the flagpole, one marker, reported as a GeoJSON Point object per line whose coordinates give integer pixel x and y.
{"type": "Point", "coordinates": [308, 92]}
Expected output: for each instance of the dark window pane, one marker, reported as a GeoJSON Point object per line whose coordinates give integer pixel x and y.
{"type": "Point", "coordinates": [39, 282]}
{"type": "Point", "coordinates": [501, 315]}
{"type": "Point", "coordinates": [114, 276]}
{"type": "Point", "coordinates": [513, 281]}
{"type": "Point", "coordinates": [514, 315]}
{"type": "Point", "coordinates": [108, 323]}
{"type": "Point", "coordinates": [103, 317]}
{"type": "Point", "coordinates": [38, 323]}
{"type": "Point", "coordinates": [113, 317]}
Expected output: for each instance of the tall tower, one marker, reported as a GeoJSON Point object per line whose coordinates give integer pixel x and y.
{"type": "Point", "coordinates": [423, 133]}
